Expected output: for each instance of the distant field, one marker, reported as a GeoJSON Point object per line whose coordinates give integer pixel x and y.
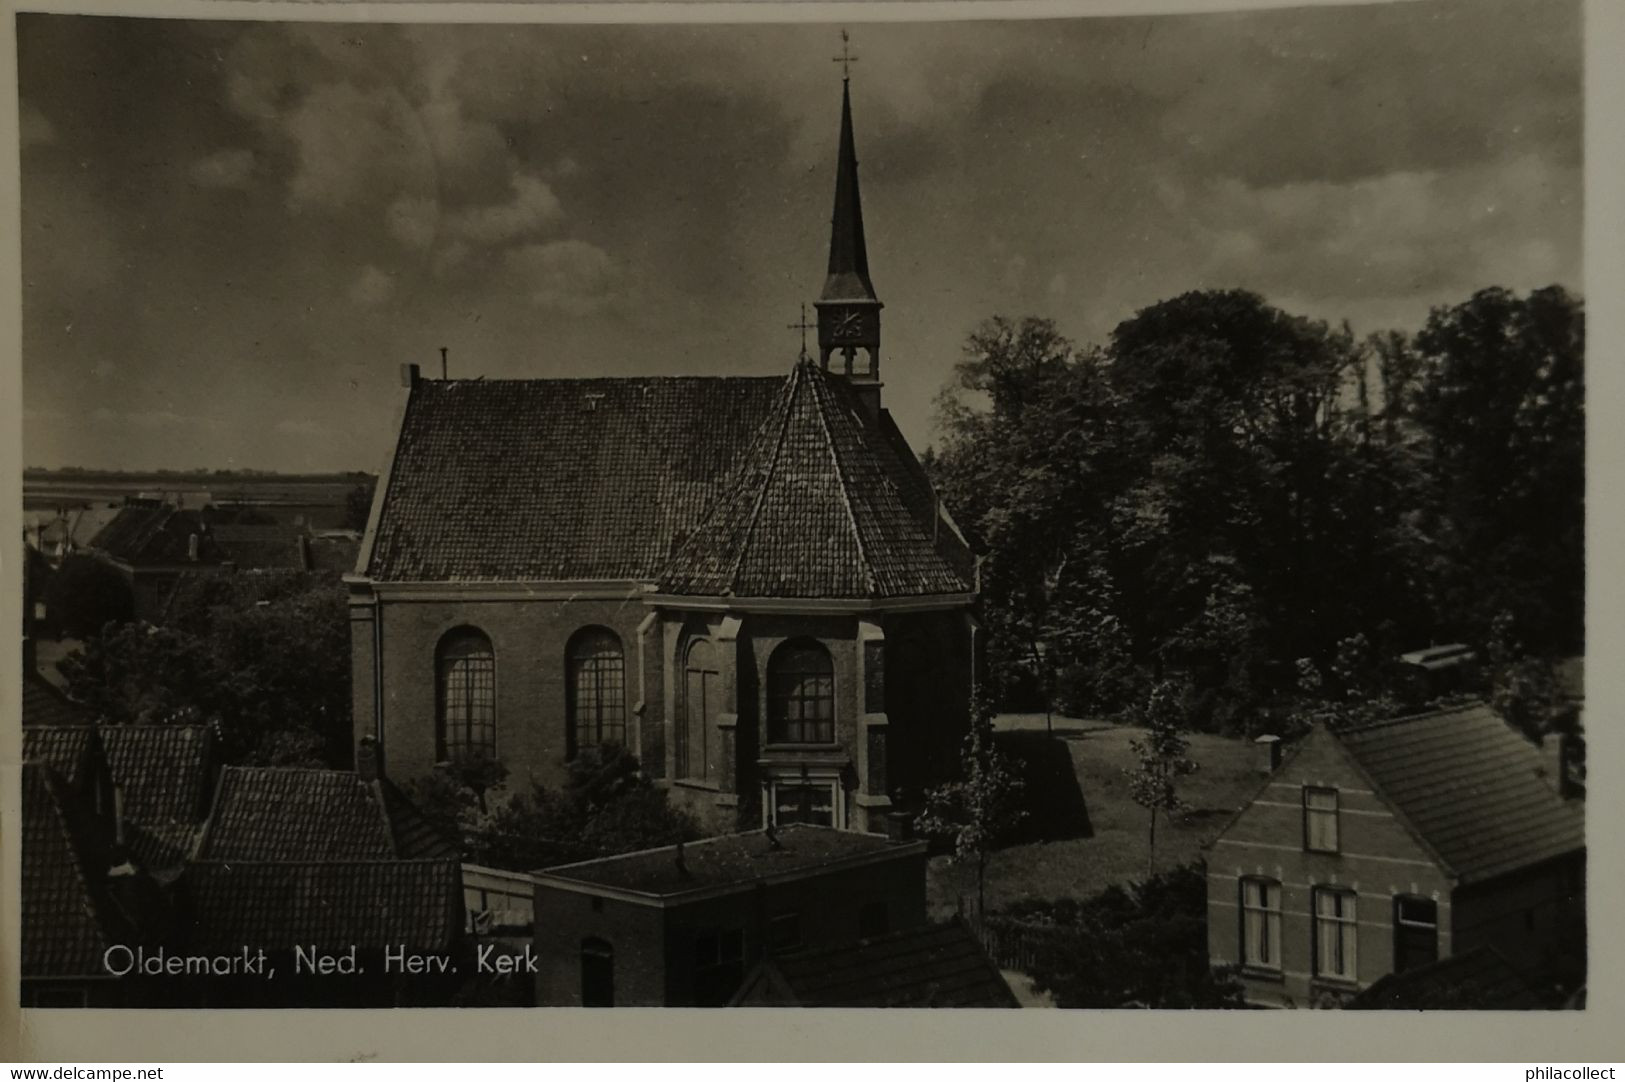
{"type": "Point", "coordinates": [1115, 851]}
{"type": "Point", "coordinates": [317, 498]}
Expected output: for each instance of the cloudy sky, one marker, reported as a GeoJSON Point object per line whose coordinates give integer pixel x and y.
{"type": "Point", "coordinates": [234, 233]}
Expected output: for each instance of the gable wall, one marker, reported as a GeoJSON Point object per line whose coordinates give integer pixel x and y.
{"type": "Point", "coordinates": [1378, 859]}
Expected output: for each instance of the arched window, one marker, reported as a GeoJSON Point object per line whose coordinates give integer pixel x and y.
{"type": "Point", "coordinates": [702, 698]}
{"type": "Point", "coordinates": [466, 679]}
{"type": "Point", "coordinates": [597, 973]}
{"type": "Point", "coordinates": [597, 689]}
{"type": "Point", "coordinates": [801, 694]}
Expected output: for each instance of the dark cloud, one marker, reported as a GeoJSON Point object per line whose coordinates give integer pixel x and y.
{"type": "Point", "coordinates": [234, 232]}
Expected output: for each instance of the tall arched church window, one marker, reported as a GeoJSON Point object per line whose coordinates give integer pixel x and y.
{"type": "Point", "coordinates": [466, 681]}
{"type": "Point", "coordinates": [702, 699]}
{"type": "Point", "coordinates": [801, 694]}
{"type": "Point", "coordinates": [597, 689]}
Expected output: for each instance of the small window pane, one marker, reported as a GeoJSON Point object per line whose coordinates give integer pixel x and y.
{"type": "Point", "coordinates": [1320, 820]}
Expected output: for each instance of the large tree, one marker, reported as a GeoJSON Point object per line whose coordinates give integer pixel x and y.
{"type": "Point", "coordinates": [264, 656]}
{"type": "Point", "coordinates": [1501, 401]}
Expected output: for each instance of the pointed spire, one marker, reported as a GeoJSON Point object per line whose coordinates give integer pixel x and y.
{"type": "Point", "coordinates": [848, 256]}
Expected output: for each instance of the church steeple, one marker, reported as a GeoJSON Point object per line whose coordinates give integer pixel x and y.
{"type": "Point", "coordinates": [848, 310]}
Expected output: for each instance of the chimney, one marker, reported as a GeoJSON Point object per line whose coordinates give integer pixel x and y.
{"type": "Point", "coordinates": [682, 864]}
{"type": "Point", "coordinates": [1268, 755]}
{"type": "Point", "coordinates": [369, 760]}
{"type": "Point", "coordinates": [900, 826]}
{"type": "Point", "coordinates": [191, 547]}
{"type": "Point", "coordinates": [1558, 765]}
{"type": "Point", "coordinates": [410, 374]}
{"type": "Point", "coordinates": [30, 654]}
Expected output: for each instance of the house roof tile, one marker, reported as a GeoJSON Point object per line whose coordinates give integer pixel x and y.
{"type": "Point", "coordinates": [1480, 979]}
{"type": "Point", "coordinates": [1472, 787]}
{"type": "Point", "coordinates": [64, 917]}
{"type": "Point", "coordinates": [45, 704]}
{"type": "Point", "coordinates": [929, 966]}
{"type": "Point", "coordinates": [288, 813]}
{"type": "Point", "coordinates": [725, 860]}
{"type": "Point", "coordinates": [328, 905]}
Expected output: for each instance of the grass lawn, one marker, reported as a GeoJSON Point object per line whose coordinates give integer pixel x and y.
{"type": "Point", "coordinates": [1115, 851]}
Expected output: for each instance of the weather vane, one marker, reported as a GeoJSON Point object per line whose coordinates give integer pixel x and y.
{"type": "Point", "coordinates": [846, 59]}
{"type": "Point", "coordinates": [803, 327]}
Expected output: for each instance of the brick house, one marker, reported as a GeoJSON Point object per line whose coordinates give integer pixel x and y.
{"type": "Point", "coordinates": [1386, 847]}
{"type": "Point", "coordinates": [682, 926]}
{"type": "Point", "coordinates": [747, 581]}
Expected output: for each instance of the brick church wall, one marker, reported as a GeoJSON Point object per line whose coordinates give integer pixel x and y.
{"type": "Point", "coordinates": [529, 639]}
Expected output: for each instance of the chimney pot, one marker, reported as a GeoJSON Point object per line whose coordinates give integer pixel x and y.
{"type": "Point", "coordinates": [192, 547]}
{"type": "Point", "coordinates": [1268, 754]}
{"type": "Point", "coordinates": [369, 760]}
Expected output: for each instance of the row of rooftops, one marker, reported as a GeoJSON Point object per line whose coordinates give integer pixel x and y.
{"type": "Point", "coordinates": [133, 834]}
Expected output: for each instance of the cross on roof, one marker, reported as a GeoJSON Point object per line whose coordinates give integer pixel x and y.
{"type": "Point", "coordinates": [803, 327]}
{"type": "Point", "coordinates": [846, 59]}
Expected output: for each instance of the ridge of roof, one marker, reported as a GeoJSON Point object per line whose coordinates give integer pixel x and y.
{"type": "Point", "coordinates": [842, 483]}
{"type": "Point", "coordinates": [732, 576]}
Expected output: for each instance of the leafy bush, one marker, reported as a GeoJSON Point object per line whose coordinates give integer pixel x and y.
{"type": "Point", "coordinates": [1144, 945]}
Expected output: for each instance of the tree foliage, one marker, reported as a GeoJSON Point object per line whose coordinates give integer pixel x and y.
{"type": "Point", "coordinates": [1143, 945]}
{"type": "Point", "coordinates": [1153, 782]}
{"type": "Point", "coordinates": [606, 806]}
{"type": "Point", "coordinates": [1224, 489]}
{"type": "Point", "coordinates": [263, 657]}
{"type": "Point", "coordinates": [980, 808]}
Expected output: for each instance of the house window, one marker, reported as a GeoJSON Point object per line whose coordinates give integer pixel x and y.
{"type": "Point", "coordinates": [801, 694]}
{"type": "Point", "coordinates": [701, 701]}
{"type": "Point", "coordinates": [1261, 923]}
{"type": "Point", "coordinates": [1336, 934]}
{"type": "Point", "coordinates": [597, 689]}
{"type": "Point", "coordinates": [1416, 932]}
{"type": "Point", "coordinates": [1319, 819]}
{"type": "Point", "coordinates": [466, 669]}
{"type": "Point", "coordinates": [874, 919]}
{"type": "Point", "coordinates": [784, 932]}
{"type": "Point", "coordinates": [597, 973]}
{"type": "Point", "coordinates": [803, 801]}
{"type": "Point", "coordinates": [719, 966]}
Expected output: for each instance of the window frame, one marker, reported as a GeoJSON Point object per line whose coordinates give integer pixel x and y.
{"type": "Point", "coordinates": [820, 731]}
{"type": "Point", "coordinates": [1271, 922]}
{"type": "Point", "coordinates": [1347, 923]}
{"type": "Point", "coordinates": [688, 726]}
{"type": "Point", "coordinates": [578, 656]}
{"type": "Point", "coordinates": [1402, 923]}
{"type": "Point", "coordinates": [1335, 812]}
{"type": "Point", "coordinates": [469, 667]}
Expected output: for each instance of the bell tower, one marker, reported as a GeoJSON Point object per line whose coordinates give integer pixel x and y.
{"type": "Point", "coordinates": [848, 310]}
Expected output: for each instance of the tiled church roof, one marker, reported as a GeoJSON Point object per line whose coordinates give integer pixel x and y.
{"type": "Point", "coordinates": [504, 480]}
{"type": "Point", "coordinates": [813, 509]}
{"type": "Point", "coordinates": [606, 479]}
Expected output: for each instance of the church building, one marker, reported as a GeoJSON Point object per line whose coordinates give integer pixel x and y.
{"type": "Point", "coordinates": [747, 581]}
